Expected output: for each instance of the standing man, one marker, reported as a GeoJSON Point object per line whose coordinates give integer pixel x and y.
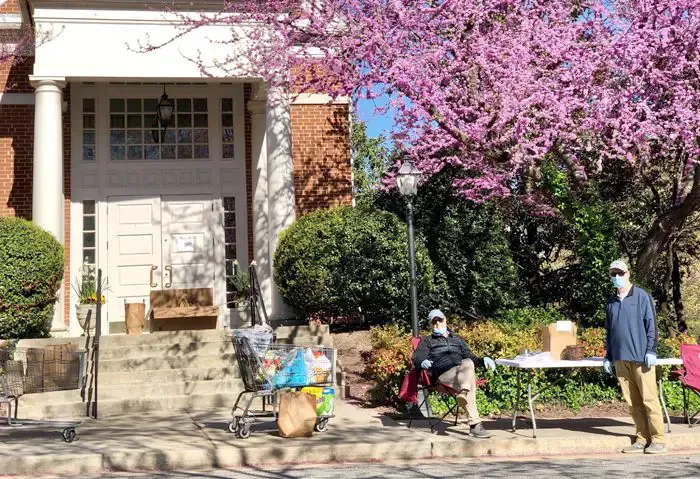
{"type": "Point", "coordinates": [451, 362]}
{"type": "Point", "coordinates": [631, 341]}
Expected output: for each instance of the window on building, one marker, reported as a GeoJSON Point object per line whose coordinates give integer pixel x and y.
{"type": "Point", "coordinates": [230, 244]}
{"type": "Point", "coordinates": [88, 129]}
{"type": "Point", "coordinates": [227, 128]}
{"type": "Point", "coordinates": [133, 121]}
{"type": "Point", "coordinates": [89, 232]}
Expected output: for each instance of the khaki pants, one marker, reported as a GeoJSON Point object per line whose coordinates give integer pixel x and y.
{"type": "Point", "coordinates": [462, 378]}
{"type": "Point", "coordinates": [638, 384]}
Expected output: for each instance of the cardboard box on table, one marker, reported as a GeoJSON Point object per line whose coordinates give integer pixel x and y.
{"type": "Point", "coordinates": [557, 336]}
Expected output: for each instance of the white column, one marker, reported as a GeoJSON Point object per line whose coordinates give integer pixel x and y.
{"type": "Point", "coordinates": [47, 184]}
{"type": "Point", "coordinates": [280, 183]}
{"type": "Point", "coordinates": [47, 194]}
{"type": "Point", "coordinates": [261, 245]}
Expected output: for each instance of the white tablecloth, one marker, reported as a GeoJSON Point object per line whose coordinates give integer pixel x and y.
{"type": "Point", "coordinates": [545, 362]}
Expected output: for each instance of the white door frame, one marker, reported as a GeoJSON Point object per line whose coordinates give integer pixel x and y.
{"type": "Point", "coordinates": [104, 178]}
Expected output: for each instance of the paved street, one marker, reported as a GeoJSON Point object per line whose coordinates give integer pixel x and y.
{"type": "Point", "coordinates": [670, 466]}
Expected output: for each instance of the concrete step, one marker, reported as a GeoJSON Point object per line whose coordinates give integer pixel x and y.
{"type": "Point", "coordinates": [144, 390]}
{"type": "Point", "coordinates": [115, 407]}
{"type": "Point", "coordinates": [180, 388]}
{"type": "Point", "coordinates": [165, 363]}
{"type": "Point", "coordinates": [110, 352]}
{"type": "Point", "coordinates": [204, 373]}
{"type": "Point", "coordinates": [163, 337]}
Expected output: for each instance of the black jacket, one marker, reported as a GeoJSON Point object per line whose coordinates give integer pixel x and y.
{"type": "Point", "coordinates": [444, 352]}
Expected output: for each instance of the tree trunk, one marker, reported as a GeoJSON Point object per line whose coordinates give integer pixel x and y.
{"type": "Point", "coordinates": [664, 300]}
{"type": "Point", "coordinates": [677, 299]}
{"type": "Point", "coordinates": [664, 228]}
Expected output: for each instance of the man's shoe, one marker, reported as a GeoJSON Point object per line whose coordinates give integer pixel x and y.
{"type": "Point", "coordinates": [462, 401]}
{"type": "Point", "coordinates": [655, 448]}
{"type": "Point", "coordinates": [636, 448]}
{"type": "Point", "coordinates": [477, 430]}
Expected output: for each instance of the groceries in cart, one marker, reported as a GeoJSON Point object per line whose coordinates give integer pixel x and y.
{"type": "Point", "coordinates": [280, 367]}
{"type": "Point", "coordinates": [295, 368]}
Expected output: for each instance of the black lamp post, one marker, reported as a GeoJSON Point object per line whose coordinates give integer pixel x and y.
{"type": "Point", "coordinates": [407, 180]}
{"type": "Point", "coordinates": [164, 111]}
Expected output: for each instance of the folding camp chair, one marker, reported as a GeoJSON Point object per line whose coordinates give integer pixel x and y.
{"type": "Point", "coordinates": [689, 376]}
{"type": "Point", "coordinates": [425, 388]}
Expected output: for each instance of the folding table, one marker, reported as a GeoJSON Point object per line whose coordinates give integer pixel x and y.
{"type": "Point", "coordinates": [537, 362]}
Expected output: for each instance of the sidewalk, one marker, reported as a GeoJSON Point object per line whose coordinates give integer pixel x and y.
{"type": "Point", "coordinates": [201, 440]}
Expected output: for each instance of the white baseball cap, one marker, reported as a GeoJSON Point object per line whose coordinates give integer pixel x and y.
{"type": "Point", "coordinates": [435, 313]}
{"type": "Point", "coordinates": [619, 265]}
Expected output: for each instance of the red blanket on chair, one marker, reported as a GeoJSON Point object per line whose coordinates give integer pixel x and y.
{"type": "Point", "coordinates": [409, 387]}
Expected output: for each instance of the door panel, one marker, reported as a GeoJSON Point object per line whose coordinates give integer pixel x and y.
{"type": "Point", "coordinates": [134, 235]}
{"type": "Point", "coordinates": [188, 249]}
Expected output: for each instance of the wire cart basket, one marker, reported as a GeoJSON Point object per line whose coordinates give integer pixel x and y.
{"type": "Point", "coordinates": [32, 370]}
{"type": "Point", "coordinates": [269, 368]}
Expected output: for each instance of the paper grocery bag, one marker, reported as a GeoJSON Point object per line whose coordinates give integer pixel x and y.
{"type": "Point", "coordinates": [297, 414]}
{"type": "Point", "coordinates": [557, 336]}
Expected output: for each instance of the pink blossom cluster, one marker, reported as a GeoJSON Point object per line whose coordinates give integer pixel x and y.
{"type": "Point", "coordinates": [494, 87]}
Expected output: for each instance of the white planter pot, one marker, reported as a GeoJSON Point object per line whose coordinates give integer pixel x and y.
{"type": "Point", "coordinates": [87, 315]}
{"type": "Point", "coordinates": [240, 316]}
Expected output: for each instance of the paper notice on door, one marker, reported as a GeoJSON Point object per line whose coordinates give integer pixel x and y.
{"type": "Point", "coordinates": [184, 244]}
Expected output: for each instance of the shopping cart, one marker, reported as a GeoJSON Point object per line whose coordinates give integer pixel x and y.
{"type": "Point", "coordinates": [31, 370]}
{"type": "Point", "coordinates": [277, 367]}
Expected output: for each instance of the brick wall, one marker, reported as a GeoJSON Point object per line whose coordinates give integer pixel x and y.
{"type": "Point", "coordinates": [9, 6]}
{"type": "Point", "coordinates": [16, 156]}
{"type": "Point", "coordinates": [321, 156]}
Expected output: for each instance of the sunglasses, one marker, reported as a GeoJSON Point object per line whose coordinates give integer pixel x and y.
{"type": "Point", "coordinates": [617, 273]}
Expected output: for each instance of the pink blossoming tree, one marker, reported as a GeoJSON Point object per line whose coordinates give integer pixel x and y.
{"type": "Point", "coordinates": [496, 87]}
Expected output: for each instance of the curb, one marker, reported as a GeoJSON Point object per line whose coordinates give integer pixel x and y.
{"type": "Point", "coordinates": [227, 456]}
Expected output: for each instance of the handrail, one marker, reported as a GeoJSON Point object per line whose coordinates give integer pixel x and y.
{"type": "Point", "coordinates": [96, 339]}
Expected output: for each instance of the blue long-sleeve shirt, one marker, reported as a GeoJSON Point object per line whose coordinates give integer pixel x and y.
{"type": "Point", "coordinates": [630, 325]}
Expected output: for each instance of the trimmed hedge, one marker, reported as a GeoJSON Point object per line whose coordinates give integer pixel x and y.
{"type": "Point", "coordinates": [30, 276]}
{"type": "Point", "coordinates": [349, 261]}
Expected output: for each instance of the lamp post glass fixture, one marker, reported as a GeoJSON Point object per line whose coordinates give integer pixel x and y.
{"type": "Point", "coordinates": [164, 112]}
{"type": "Point", "coordinates": [407, 181]}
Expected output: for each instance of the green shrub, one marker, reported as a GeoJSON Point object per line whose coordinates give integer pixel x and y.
{"type": "Point", "coordinates": [525, 318]}
{"type": "Point", "coordinates": [30, 276]}
{"type": "Point", "coordinates": [348, 261]}
{"type": "Point", "coordinates": [468, 243]}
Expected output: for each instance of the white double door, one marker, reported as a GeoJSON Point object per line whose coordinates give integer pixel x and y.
{"type": "Point", "coordinates": [158, 243]}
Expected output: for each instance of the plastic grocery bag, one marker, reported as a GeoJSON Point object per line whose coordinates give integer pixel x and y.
{"type": "Point", "coordinates": [297, 414]}
{"type": "Point", "coordinates": [293, 373]}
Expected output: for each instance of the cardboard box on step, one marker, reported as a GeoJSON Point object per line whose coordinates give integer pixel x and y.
{"type": "Point", "coordinates": [557, 336]}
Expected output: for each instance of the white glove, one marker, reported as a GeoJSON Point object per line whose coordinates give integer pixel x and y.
{"type": "Point", "coordinates": [607, 367]}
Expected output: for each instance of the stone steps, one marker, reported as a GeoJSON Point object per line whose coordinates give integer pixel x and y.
{"type": "Point", "coordinates": [164, 363]}
{"type": "Point", "coordinates": [166, 350]}
{"type": "Point", "coordinates": [163, 376]}
{"type": "Point", "coordinates": [162, 371]}
{"type": "Point", "coordinates": [113, 407]}
{"type": "Point", "coordinates": [135, 390]}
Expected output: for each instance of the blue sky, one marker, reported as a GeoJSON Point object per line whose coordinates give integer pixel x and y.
{"type": "Point", "coordinates": [376, 124]}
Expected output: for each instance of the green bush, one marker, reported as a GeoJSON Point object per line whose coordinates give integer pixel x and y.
{"type": "Point", "coordinates": [525, 318]}
{"type": "Point", "coordinates": [349, 261]}
{"type": "Point", "coordinates": [30, 276]}
{"type": "Point", "coordinates": [468, 243]}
